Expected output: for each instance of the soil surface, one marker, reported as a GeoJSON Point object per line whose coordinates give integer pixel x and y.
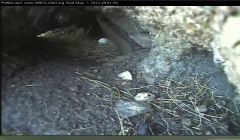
{"type": "Point", "coordinates": [59, 90]}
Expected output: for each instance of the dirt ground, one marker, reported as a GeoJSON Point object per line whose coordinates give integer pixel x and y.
{"type": "Point", "coordinates": [60, 94]}
{"type": "Point", "coordinates": [72, 88]}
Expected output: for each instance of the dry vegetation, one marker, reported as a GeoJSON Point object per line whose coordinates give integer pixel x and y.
{"type": "Point", "coordinates": [178, 103]}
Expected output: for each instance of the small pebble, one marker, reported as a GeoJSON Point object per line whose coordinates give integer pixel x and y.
{"type": "Point", "coordinates": [124, 83]}
{"type": "Point", "coordinates": [144, 96]}
{"type": "Point", "coordinates": [237, 99]}
{"type": "Point", "coordinates": [95, 70]}
{"type": "Point", "coordinates": [125, 76]}
{"type": "Point", "coordinates": [201, 108]}
{"type": "Point", "coordinates": [149, 80]}
{"type": "Point", "coordinates": [186, 122]}
{"type": "Point", "coordinates": [12, 86]}
{"type": "Point", "coordinates": [73, 89]}
{"type": "Point", "coordinates": [130, 108]}
{"type": "Point", "coordinates": [208, 133]}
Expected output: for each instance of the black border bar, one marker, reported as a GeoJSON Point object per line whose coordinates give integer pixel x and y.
{"type": "Point", "coordinates": [122, 3]}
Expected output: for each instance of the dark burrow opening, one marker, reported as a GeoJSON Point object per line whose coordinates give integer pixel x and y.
{"type": "Point", "coordinates": [32, 35]}
{"type": "Point", "coordinates": [19, 37]}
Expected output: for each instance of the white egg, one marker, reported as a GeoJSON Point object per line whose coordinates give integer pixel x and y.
{"type": "Point", "coordinates": [103, 41]}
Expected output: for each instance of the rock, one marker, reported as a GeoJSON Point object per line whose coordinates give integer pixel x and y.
{"type": "Point", "coordinates": [95, 70]}
{"type": "Point", "coordinates": [121, 38]}
{"type": "Point", "coordinates": [222, 132]}
{"type": "Point", "coordinates": [208, 133]}
{"type": "Point", "coordinates": [73, 88]}
{"type": "Point", "coordinates": [149, 80]}
{"type": "Point", "coordinates": [186, 122]}
{"type": "Point", "coordinates": [144, 39]}
{"type": "Point", "coordinates": [237, 99]}
{"type": "Point", "coordinates": [124, 83]}
{"type": "Point", "coordinates": [99, 77]}
{"type": "Point", "coordinates": [230, 49]}
{"type": "Point", "coordinates": [131, 108]}
{"type": "Point", "coordinates": [230, 35]}
{"type": "Point", "coordinates": [220, 86]}
{"type": "Point", "coordinates": [125, 76]}
{"type": "Point", "coordinates": [225, 125]}
{"type": "Point", "coordinates": [201, 108]}
{"type": "Point", "coordinates": [236, 106]}
{"type": "Point", "coordinates": [144, 96]}
{"type": "Point", "coordinates": [143, 129]}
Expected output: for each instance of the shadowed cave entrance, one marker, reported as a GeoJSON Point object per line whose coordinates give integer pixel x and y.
{"type": "Point", "coordinates": [74, 34]}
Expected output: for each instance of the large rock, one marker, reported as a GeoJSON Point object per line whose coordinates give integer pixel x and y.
{"type": "Point", "coordinates": [230, 49]}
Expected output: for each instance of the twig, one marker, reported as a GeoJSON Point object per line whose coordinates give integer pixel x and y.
{"type": "Point", "coordinates": [163, 109]}
{"type": "Point", "coordinates": [120, 121]}
{"type": "Point", "coordinates": [166, 124]}
{"type": "Point", "coordinates": [33, 85]}
{"type": "Point", "coordinates": [199, 115]}
{"type": "Point", "coordinates": [188, 129]}
{"type": "Point", "coordinates": [141, 87]}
